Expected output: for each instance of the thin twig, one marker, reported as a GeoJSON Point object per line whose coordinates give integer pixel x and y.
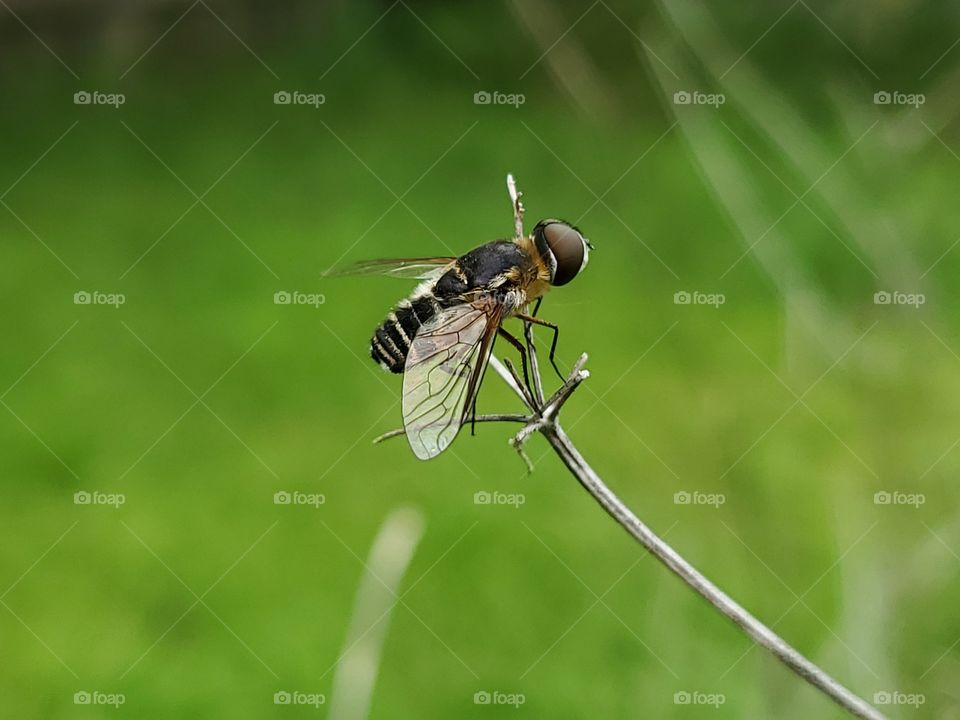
{"type": "Point", "coordinates": [517, 208]}
{"type": "Point", "coordinates": [577, 376]}
{"type": "Point", "coordinates": [546, 424]}
{"type": "Point", "coordinates": [503, 417]}
{"type": "Point", "coordinates": [528, 400]}
{"type": "Point", "coordinates": [534, 363]}
{"type": "Point", "coordinates": [543, 420]}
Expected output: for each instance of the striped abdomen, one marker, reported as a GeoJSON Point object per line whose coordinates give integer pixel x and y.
{"type": "Point", "coordinates": [391, 341]}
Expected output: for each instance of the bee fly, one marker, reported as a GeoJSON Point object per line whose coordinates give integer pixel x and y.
{"type": "Point", "coordinates": [441, 336]}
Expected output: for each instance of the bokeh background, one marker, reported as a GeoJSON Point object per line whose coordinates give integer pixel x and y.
{"type": "Point", "coordinates": [811, 426]}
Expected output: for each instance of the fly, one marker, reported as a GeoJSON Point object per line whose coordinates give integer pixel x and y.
{"type": "Point", "coordinates": [441, 336]}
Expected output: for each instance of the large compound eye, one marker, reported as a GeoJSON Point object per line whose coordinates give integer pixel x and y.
{"type": "Point", "coordinates": [569, 248]}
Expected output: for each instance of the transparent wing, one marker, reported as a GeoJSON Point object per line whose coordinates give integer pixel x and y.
{"type": "Point", "coordinates": [442, 374]}
{"type": "Point", "coordinates": [409, 268]}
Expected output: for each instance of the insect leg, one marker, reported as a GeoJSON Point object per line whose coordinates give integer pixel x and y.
{"type": "Point", "coordinates": [537, 306]}
{"type": "Point", "coordinates": [553, 344]}
{"type": "Point", "coordinates": [523, 354]}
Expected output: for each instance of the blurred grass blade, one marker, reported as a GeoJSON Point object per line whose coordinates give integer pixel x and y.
{"type": "Point", "coordinates": [389, 559]}
{"type": "Point", "coordinates": [719, 156]}
{"type": "Point", "coordinates": [782, 123]}
{"type": "Point", "coordinates": [566, 58]}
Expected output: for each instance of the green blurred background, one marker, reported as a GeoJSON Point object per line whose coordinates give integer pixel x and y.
{"type": "Point", "coordinates": [796, 400]}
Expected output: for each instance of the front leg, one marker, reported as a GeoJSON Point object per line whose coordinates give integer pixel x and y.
{"type": "Point", "coordinates": [556, 336]}
{"type": "Point", "coordinates": [523, 356]}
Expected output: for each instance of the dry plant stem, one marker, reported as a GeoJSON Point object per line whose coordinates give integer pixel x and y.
{"type": "Point", "coordinates": [527, 399]}
{"type": "Point", "coordinates": [543, 420]}
{"type": "Point", "coordinates": [534, 365]}
{"type": "Point", "coordinates": [517, 208]}
{"type": "Point", "coordinates": [504, 417]}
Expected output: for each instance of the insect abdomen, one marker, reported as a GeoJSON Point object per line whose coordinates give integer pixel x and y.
{"type": "Point", "coordinates": [392, 339]}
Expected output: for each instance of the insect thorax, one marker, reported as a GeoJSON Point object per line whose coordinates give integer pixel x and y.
{"type": "Point", "coordinates": [498, 272]}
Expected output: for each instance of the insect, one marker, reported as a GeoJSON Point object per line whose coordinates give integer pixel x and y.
{"type": "Point", "coordinates": [441, 336]}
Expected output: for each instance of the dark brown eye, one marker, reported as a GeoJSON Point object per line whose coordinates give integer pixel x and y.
{"type": "Point", "coordinates": [567, 249]}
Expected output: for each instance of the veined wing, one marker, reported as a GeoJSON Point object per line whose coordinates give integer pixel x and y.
{"type": "Point", "coordinates": [443, 370]}
{"type": "Point", "coordinates": [409, 268]}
